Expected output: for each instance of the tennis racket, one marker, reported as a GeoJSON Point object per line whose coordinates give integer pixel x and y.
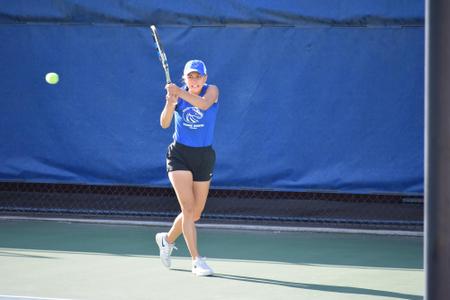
{"type": "Point", "coordinates": [161, 54]}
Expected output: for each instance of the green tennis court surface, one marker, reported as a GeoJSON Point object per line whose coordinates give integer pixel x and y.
{"type": "Point", "coordinates": [40, 260]}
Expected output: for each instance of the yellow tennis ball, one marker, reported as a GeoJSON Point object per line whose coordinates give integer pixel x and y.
{"type": "Point", "coordinates": [52, 78]}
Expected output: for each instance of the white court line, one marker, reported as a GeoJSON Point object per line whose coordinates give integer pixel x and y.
{"type": "Point", "coordinates": [13, 297]}
{"type": "Point", "coordinates": [224, 226]}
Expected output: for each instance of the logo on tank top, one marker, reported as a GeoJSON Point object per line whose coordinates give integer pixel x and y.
{"type": "Point", "coordinates": [191, 117]}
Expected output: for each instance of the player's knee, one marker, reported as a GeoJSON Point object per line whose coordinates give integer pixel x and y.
{"type": "Point", "coordinates": [197, 216]}
{"type": "Point", "coordinates": [189, 213]}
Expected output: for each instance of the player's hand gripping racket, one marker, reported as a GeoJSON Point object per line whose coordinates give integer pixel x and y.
{"type": "Point", "coordinates": [161, 54]}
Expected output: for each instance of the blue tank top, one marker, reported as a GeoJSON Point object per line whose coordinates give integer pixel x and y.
{"type": "Point", "coordinates": [194, 127]}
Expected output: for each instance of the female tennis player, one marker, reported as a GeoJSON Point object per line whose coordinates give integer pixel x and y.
{"type": "Point", "coordinates": [190, 157]}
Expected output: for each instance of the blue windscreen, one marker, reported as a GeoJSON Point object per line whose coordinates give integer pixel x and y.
{"type": "Point", "coordinates": [314, 96]}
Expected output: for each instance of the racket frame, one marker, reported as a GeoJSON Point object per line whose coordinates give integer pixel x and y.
{"type": "Point", "coordinates": [161, 53]}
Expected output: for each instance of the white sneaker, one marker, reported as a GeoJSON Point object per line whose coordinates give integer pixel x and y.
{"type": "Point", "coordinates": [165, 248]}
{"type": "Point", "coordinates": [200, 268]}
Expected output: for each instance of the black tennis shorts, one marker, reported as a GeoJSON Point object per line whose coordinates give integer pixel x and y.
{"type": "Point", "coordinates": [199, 160]}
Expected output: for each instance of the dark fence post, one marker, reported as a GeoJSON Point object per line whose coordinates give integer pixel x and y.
{"type": "Point", "coordinates": [437, 150]}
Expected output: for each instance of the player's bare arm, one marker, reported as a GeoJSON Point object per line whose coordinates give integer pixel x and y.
{"type": "Point", "coordinates": [205, 102]}
{"type": "Point", "coordinates": [167, 113]}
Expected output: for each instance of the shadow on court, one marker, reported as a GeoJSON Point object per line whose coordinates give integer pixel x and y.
{"type": "Point", "coordinates": [12, 254]}
{"type": "Point", "coordinates": [315, 287]}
